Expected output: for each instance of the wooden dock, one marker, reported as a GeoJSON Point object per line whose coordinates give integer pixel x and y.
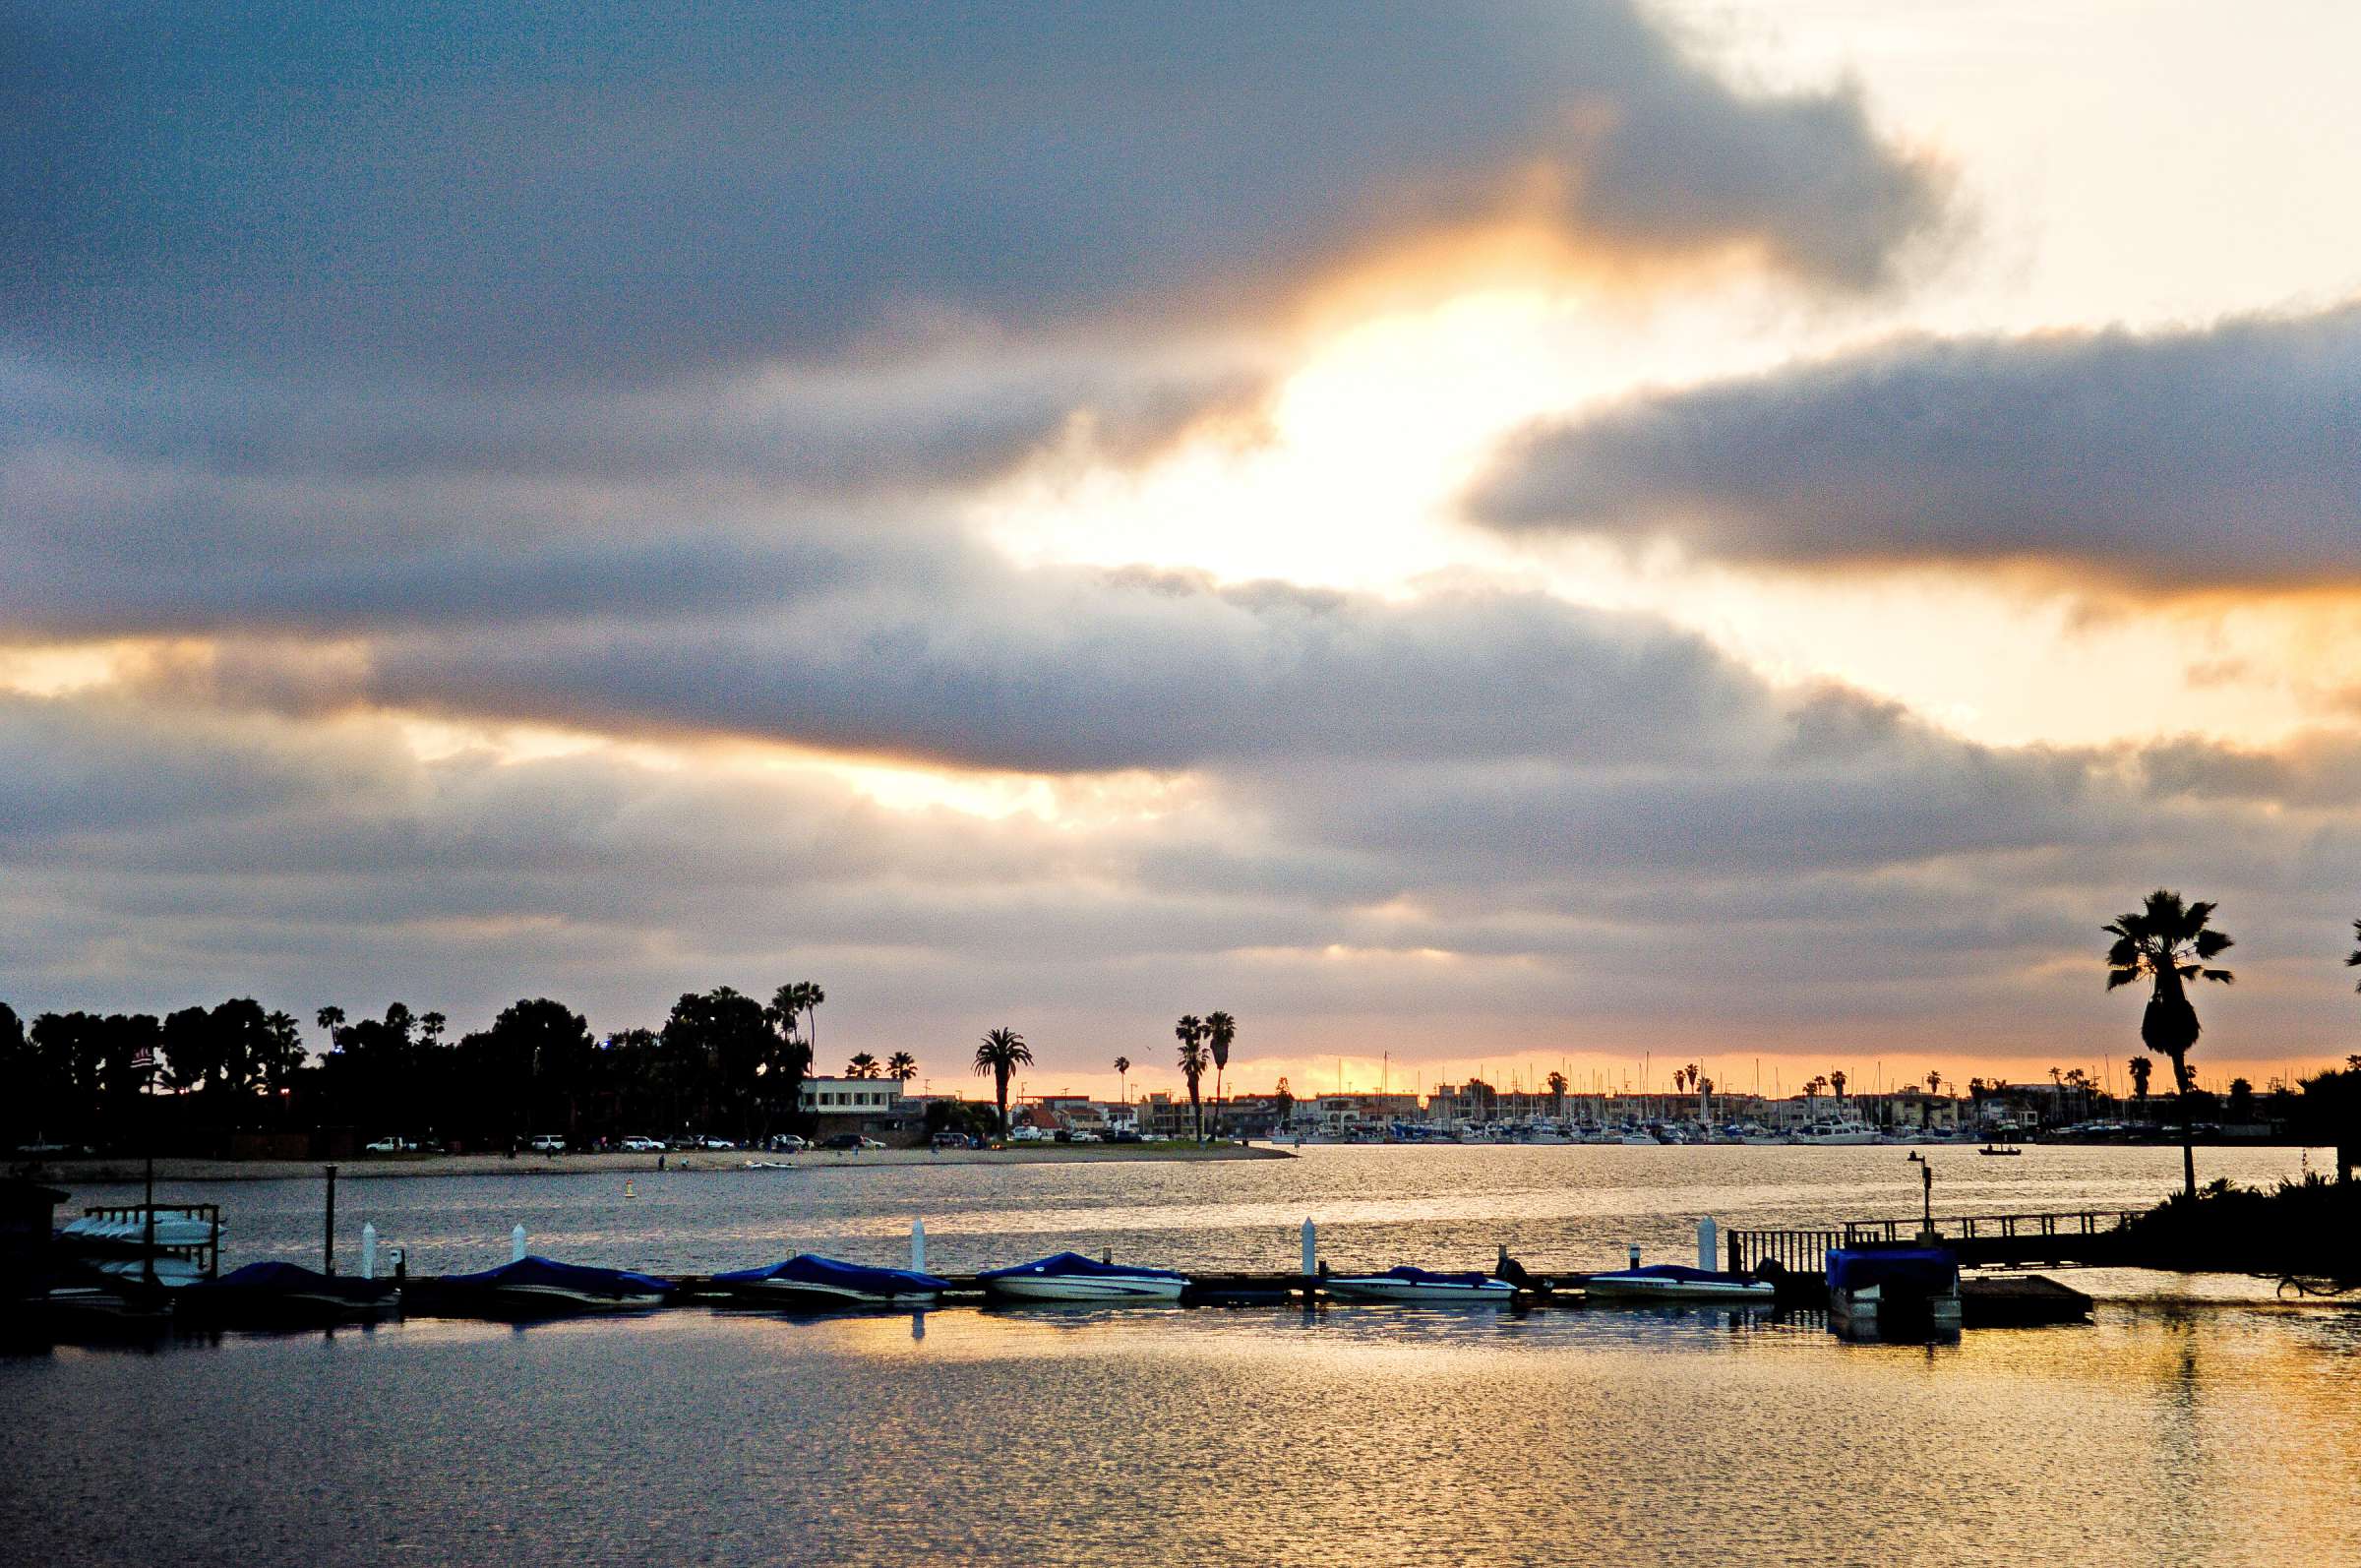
{"type": "Point", "coordinates": [2089, 1237]}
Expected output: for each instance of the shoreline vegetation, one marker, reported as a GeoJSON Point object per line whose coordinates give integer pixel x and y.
{"type": "Point", "coordinates": [175, 1167]}
{"type": "Point", "coordinates": [2301, 1229]}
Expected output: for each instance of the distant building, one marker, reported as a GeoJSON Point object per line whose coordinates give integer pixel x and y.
{"type": "Point", "coordinates": [871, 1107]}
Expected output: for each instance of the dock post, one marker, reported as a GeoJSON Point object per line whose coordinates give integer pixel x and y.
{"type": "Point", "coordinates": [1311, 1250]}
{"type": "Point", "coordinates": [368, 1250]}
{"type": "Point", "coordinates": [516, 1244]}
{"type": "Point", "coordinates": [328, 1244]}
{"type": "Point", "coordinates": [917, 1246]}
{"type": "Point", "coordinates": [1634, 1248]}
{"type": "Point", "coordinates": [1706, 1249]}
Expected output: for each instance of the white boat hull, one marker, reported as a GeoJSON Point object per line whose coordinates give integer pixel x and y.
{"type": "Point", "coordinates": [558, 1299]}
{"type": "Point", "coordinates": [1493, 1293]}
{"type": "Point", "coordinates": [823, 1298]}
{"type": "Point", "coordinates": [1727, 1292]}
{"type": "Point", "coordinates": [1087, 1287]}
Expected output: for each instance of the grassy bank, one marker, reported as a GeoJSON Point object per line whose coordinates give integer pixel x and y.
{"type": "Point", "coordinates": [2309, 1227]}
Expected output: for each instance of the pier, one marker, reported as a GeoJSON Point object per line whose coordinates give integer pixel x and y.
{"type": "Point", "coordinates": [2089, 1237]}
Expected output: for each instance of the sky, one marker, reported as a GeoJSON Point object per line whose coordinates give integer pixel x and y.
{"type": "Point", "coordinates": [1477, 537]}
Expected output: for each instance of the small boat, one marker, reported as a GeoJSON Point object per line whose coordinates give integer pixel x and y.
{"type": "Point", "coordinates": [536, 1287]}
{"type": "Point", "coordinates": [1071, 1277]}
{"type": "Point", "coordinates": [1904, 1292]}
{"type": "Point", "coordinates": [1673, 1282]}
{"type": "Point", "coordinates": [811, 1283]}
{"type": "Point", "coordinates": [1406, 1284]}
{"type": "Point", "coordinates": [276, 1294]}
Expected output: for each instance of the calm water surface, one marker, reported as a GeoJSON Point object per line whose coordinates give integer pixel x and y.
{"type": "Point", "coordinates": [2212, 1433]}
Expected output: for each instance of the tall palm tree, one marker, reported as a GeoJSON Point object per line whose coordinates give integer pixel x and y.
{"type": "Point", "coordinates": [2142, 1069]}
{"type": "Point", "coordinates": [902, 1066]}
{"type": "Point", "coordinates": [1934, 1083]}
{"type": "Point", "coordinates": [2167, 943]}
{"type": "Point", "coordinates": [1836, 1081]}
{"type": "Point", "coordinates": [1193, 1062]}
{"type": "Point", "coordinates": [1220, 1030]}
{"type": "Point", "coordinates": [1122, 1077]}
{"type": "Point", "coordinates": [1557, 1095]}
{"type": "Point", "coordinates": [1002, 1052]}
{"type": "Point", "coordinates": [862, 1066]}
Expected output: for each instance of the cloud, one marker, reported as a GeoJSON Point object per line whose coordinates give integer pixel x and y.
{"type": "Point", "coordinates": [2224, 455]}
{"type": "Point", "coordinates": [603, 196]}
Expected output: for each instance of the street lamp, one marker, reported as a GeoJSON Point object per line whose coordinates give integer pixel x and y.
{"type": "Point", "coordinates": [1926, 1178]}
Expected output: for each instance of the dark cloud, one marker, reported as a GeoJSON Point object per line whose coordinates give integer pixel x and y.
{"type": "Point", "coordinates": [2183, 460]}
{"type": "Point", "coordinates": [595, 193]}
{"type": "Point", "coordinates": [1071, 671]}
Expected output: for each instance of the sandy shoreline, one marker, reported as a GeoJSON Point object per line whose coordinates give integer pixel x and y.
{"type": "Point", "coordinates": [83, 1172]}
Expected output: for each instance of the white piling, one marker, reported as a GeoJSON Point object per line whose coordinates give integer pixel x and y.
{"type": "Point", "coordinates": [1312, 1249]}
{"type": "Point", "coordinates": [516, 1244]}
{"type": "Point", "coordinates": [368, 1251]}
{"type": "Point", "coordinates": [917, 1246]}
{"type": "Point", "coordinates": [1706, 1244]}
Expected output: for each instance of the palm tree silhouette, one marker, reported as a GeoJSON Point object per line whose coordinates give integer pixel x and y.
{"type": "Point", "coordinates": [1123, 1076]}
{"type": "Point", "coordinates": [1558, 1094]}
{"type": "Point", "coordinates": [2142, 1069]}
{"type": "Point", "coordinates": [902, 1066]}
{"type": "Point", "coordinates": [1190, 1032]}
{"type": "Point", "coordinates": [1002, 1052]}
{"type": "Point", "coordinates": [2167, 943]}
{"type": "Point", "coordinates": [1220, 1030]}
{"type": "Point", "coordinates": [862, 1066]}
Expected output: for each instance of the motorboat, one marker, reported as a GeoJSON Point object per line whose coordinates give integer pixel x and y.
{"type": "Point", "coordinates": [1071, 1277]}
{"type": "Point", "coordinates": [537, 1286]}
{"type": "Point", "coordinates": [1406, 1284]}
{"type": "Point", "coordinates": [280, 1295]}
{"type": "Point", "coordinates": [1837, 1133]}
{"type": "Point", "coordinates": [811, 1283]}
{"type": "Point", "coordinates": [1674, 1282]}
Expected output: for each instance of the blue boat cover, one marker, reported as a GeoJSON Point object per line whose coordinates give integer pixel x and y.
{"type": "Point", "coordinates": [1680, 1272]}
{"type": "Point", "coordinates": [811, 1269]}
{"type": "Point", "coordinates": [274, 1278]}
{"type": "Point", "coordinates": [1072, 1265]}
{"type": "Point", "coordinates": [537, 1270]}
{"type": "Point", "coordinates": [1931, 1271]}
{"type": "Point", "coordinates": [1409, 1275]}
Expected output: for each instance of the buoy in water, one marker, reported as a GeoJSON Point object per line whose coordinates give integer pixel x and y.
{"type": "Point", "coordinates": [628, 1192]}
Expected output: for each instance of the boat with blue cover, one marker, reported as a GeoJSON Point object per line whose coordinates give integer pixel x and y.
{"type": "Point", "coordinates": [1893, 1289]}
{"type": "Point", "coordinates": [1674, 1282]}
{"type": "Point", "coordinates": [273, 1295]}
{"type": "Point", "coordinates": [1071, 1277]}
{"type": "Point", "coordinates": [814, 1283]}
{"type": "Point", "coordinates": [537, 1286]}
{"type": "Point", "coordinates": [1406, 1284]}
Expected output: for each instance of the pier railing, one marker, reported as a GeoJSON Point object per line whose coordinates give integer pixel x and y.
{"type": "Point", "coordinates": [2082, 1236]}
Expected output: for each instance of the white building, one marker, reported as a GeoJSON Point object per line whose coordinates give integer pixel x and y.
{"type": "Point", "coordinates": [851, 1097]}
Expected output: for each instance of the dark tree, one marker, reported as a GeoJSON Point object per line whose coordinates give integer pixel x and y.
{"type": "Point", "coordinates": [2167, 943]}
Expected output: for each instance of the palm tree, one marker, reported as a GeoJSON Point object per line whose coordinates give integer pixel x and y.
{"type": "Point", "coordinates": [331, 1020]}
{"type": "Point", "coordinates": [2353, 958]}
{"type": "Point", "coordinates": [2142, 1068]}
{"type": "Point", "coordinates": [2167, 942]}
{"type": "Point", "coordinates": [902, 1066]}
{"type": "Point", "coordinates": [1193, 1062]}
{"type": "Point", "coordinates": [862, 1066]}
{"type": "Point", "coordinates": [1558, 1094]}
{"type": "Point", "coordinates": [1836, 1081]}
{"type": "Point", "coordinates": [1934, 1083]}
{"type": "Point", "coordinates": [1002, 1052]}
{"type": "Point", "coordinates": [1123, 1075]}
{"type": "Point", "coordinates": [1220, 1030]}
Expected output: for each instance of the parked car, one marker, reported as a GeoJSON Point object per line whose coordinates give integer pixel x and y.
{"type": "Point", "coordinates": [716, 1143]}
{"type": "Point", "coordinates": [1026, 1134]}
{"type": "Point", "coordinates": [788, 1143]}
{"type": "Point", "coordinates": [387, 1146]}
{"type": "Point", "coordinates": [1085, 1135]}
{"type": "Point", "coordinates": [951, 1140]}
{"type": "Point", "coordinates": [641, 1143]}
{"type": "Point", "coordinates": [548, 1143]}
{"type": "Point", "coordinates": [1127, 1135]}
{"type": "Point", "coordinates": [871, 1143]}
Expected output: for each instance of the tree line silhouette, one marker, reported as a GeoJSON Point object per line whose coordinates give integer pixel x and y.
{"type": "Point", "coordinates": [723, 1063]}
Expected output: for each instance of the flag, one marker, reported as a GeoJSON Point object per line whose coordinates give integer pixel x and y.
{"type": "Point", "coordinates": [143, 1059]}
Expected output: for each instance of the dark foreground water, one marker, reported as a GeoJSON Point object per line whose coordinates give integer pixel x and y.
{"type": "Point", "coordinates": [2216, 1432]}
{"type": "Point", "coordinates": [1349, 1437]}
